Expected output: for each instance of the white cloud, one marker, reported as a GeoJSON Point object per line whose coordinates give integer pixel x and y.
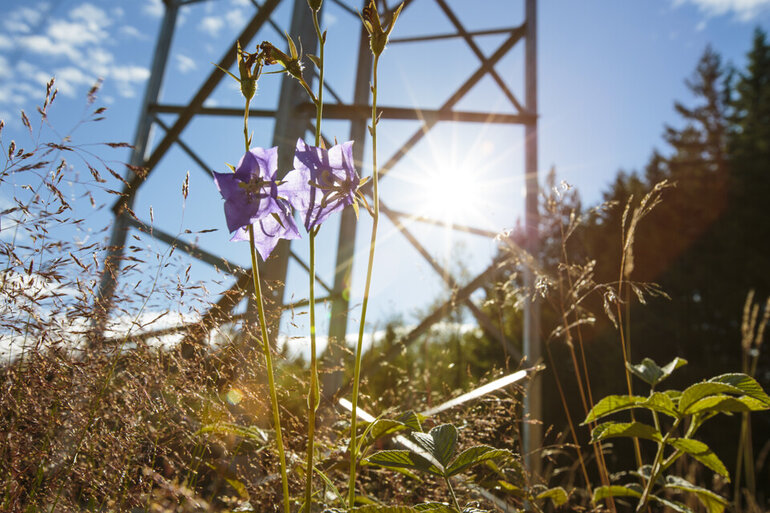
{"type": "Point", "coordinates": [241, 3]}
{"type": "Point", "coordinates": [126, 77]}
{"type": "Point", "coordinates": [20, 20]}
{"type": "Point", "coordinates": [744, 10]}
{"type": "Point", "coordinates": [47, 46]}
{"type": "Point", "coordinates": [184, 63]}
{"type": "Point", "coordinates": [211, 25]}
{"type": "Point", "coordinates": [153, 8]}
{"type": "Point", "coordinates": [128, 30]}
{"type": "Point", "coordinates": [235, 18]}
{"type": "Point", "coordinates": [5, 42]}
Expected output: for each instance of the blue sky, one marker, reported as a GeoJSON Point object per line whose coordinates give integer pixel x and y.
{"type": "Point", "coordinates": [609, 73]}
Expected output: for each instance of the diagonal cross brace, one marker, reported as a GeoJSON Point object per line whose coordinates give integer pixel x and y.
{"type": "Point", "coordinates": [259, 19]}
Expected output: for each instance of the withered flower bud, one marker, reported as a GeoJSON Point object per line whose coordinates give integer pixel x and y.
{"type": "Point", "coordinates": [250, 67]}
{"type": "Point", "coordinates": [378, 36]}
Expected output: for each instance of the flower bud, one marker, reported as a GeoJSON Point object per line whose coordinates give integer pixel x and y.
{"type": "Point", "coordinates": [315, 5]}
{"type": "Point", "coordinates": [378, 36]}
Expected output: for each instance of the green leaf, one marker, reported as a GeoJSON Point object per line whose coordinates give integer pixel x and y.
{"type": "Point", "coordinates": [474, 456]}
{"type": "Point", "coordinates": [676, 506]}
{"type": "Point", "coordinates": [629, 429]}
{"type": "Point", "coordinates": [658, 401]}
{"type": "Point", "coordinates": [435, 507]}
{"type": "Point", "coordinates": [649, 371]}
{"type": "Point", "coordinates": [612, 404]}
{"type": "Point", "coordinates": [226, 428]}
{"type": "Point", "coordinates": [383, 427]}
{"type": "Point", "coordinates": [745, 384]}
{"type": "Point", "coordinates": [736, 383]}
{"type": "Point", "coordinates": [441, 442]}
{"type": "Point", "coordinates": [330, 484]}
{"type": "Point", "coordinates": [711, 501]}
{"type": "Point", "coordinates": [702, 453]}
{"type": "Point", "coordinates": [722, 403]}
{"type": "Point", "coordinates": [558, 495]}
{"type": "Point", "coordinates": [383, 509]}
{"type": "Point", "coordinates": [403, 459]}
{"type": "Point", "coordinates": [409, 418]}
{"type": "Point", "coordinates": [604, 492]}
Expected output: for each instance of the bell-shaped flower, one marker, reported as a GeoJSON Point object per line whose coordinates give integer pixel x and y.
{"type": "Point", "coordinates": [253, 196]}
{"type": "Point", "coordinates": [323, 182]}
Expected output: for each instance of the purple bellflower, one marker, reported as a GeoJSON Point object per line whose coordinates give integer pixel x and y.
{"type": "Point", "coordinates": [323, 182]}
{"type": "Point", "coordinates": [254, 197]}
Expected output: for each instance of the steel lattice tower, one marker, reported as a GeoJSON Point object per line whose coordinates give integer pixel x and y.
{"type": "Point", "coordinates": [293, 116]}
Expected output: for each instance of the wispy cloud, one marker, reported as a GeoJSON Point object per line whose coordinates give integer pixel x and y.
{"type": "Point", "coordinates": [744, 10]}
{"type": "Point", "coordinates": [153, 8]}
{"type": "Point", "coordinates": [75, 48]}
{"type": "Point", "coordinates": [185, 64]}
{"type": "Point", "coordinates": [211, 25]}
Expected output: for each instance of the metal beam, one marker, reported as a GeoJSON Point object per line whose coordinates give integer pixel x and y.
{"type": "Point", "coordinates": [114, 252]}
{"type": "Point", "coordinates": [216, 75]}
{"type": "Point", "coordinates": [346, 241]}
{"type": "Point", "coordinates": [533, 401]}
{"type": "Point", "coordinates": [451, 102]}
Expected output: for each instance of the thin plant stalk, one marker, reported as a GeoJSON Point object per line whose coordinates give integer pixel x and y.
{"type": "Point", "coordinates": [265, 340]}
{"type": "Point", "coordinates": [314, 395]}
{"type": "Point", "coordinates": [598, 454]}
{"type": "Point", "coordinates": [365, 303]}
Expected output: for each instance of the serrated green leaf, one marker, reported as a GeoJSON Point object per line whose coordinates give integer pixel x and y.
{"type": "Point", "coordinates": [702, 453]}
{"type": "Point", "coordinates": [711, 501]}
{"type": "Point", "coordinates": [629, 429]}
{"type": "Point", "coordinates": [435, 507]}
{"type": "Point", "coordinates": [658, 401]}
{"type": "Point", "coordinates": [383, 427]}
{"type": "Point", "coordinates": [745, 384]}
{"type": "Point", "coordinates": [226, 428]}
{"type": "Point", "coordinates": [444, 442]}
{"type": "Point", "coordinates": [409, 418]}
{"type": "Point", "coordinates": [557, 495]}
{"type": "Point", "coordinates": [383, 509]}
{"type": "Point", "coordinates": [652, 374]}
{"type": "Point", "coordinates": [675, 505]}
{"type": "Point", "coordinates": [721, 403]}
{"type": "Point", "coordinates": [474, 456]}
{"type": "Point", "coordinates": [648, 371]}
{"type": "Point", "coordinates": [603, 492]}
{"type": "Point", "coordinates": [403, 459]}
{"type": "Point", "coordinates": [735, 383]}
{"type": "Point", "coordinates": [612, 404]}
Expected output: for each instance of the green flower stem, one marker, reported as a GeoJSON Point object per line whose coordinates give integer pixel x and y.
{"type": "Point", "coordinates": [657, 467]}
{"type": "Point", "coordinates": [246, 125]}
{"type": "Point", "coordinates": [265, 340]}
{"type": "Point", "coordinates": [452, 493]}
{"type": "Point", "coordinates": [314, 395]}
{"type": "Point", "coordinates": [269, 366]}
{"type": "Point", "coordinates": [365, 304]}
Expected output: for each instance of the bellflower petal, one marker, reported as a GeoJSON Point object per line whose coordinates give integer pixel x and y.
{"type": "Point", "coordinates": [252, 197]}
{"type": "Point", "coordinates": [269, 230]}
{"type": "Point", "coordinates": [322, 182]}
